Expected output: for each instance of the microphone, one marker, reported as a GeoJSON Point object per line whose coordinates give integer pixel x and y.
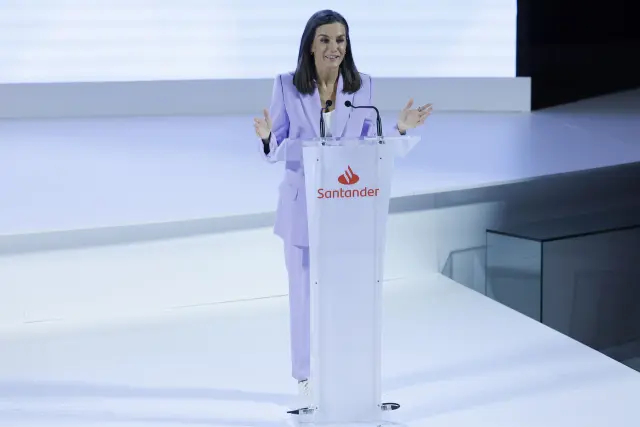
{"type": "Point", "coordinates": [378, 119]}
{"type": "Point", "coordinates": [328, 104]}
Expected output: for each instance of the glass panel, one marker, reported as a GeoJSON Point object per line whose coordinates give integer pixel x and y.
{"type": "Point", "coordinates": [466, 266]}
{"type": "Point", "coordinates": [575, 226]}
{"type": "Point", "coordinates": [513, 273]}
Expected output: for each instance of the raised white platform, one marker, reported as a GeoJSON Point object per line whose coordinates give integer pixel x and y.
{"type": "Point", "coordinates": [74, 174]}
{"type": "Point", "coordinates": [451, 358]}
{"type": "Point", "coordinates": [195, 330]}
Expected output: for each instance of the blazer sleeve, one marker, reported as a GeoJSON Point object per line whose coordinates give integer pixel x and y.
{"type": "Point", "coordinates": [279, 121]}
{"type": "Point", "coordinates": [369, 127]}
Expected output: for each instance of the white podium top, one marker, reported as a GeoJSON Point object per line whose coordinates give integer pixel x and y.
{"type": "Point", "coordinates": [292, 149]}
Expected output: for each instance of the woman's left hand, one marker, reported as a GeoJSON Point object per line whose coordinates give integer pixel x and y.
{"type": "Point", "coordinates": [409, 119]}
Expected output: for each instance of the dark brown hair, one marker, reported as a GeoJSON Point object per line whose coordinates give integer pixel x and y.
{"type": "Point", "coordinates": [305, 76]}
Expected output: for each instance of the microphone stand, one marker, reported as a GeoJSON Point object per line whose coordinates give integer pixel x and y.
{"type": "Point", "coordinates": [378, 119]}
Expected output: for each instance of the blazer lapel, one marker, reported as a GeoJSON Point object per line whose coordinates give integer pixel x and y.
{"type": "Point", "coordinates": [311, 107]}
{"type": "Point", "coordinates": [342, 113]}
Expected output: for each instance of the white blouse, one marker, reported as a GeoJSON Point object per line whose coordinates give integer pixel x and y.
{"type": "Point", "coordinates": [327, 122]}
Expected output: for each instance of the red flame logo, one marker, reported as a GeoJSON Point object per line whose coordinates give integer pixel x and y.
{"type": "Point", "coordinates": [348, 177]}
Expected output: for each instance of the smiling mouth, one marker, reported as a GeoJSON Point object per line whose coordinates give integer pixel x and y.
{"type": "Point", "coordinates": [332, 57]}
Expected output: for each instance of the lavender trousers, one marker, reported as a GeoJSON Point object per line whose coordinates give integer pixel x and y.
{"type": "Point", "coordinates": [297, 263]}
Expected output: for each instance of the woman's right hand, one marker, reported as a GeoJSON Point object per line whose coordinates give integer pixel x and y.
{"type": "Point", "coordinates": [263, 125]}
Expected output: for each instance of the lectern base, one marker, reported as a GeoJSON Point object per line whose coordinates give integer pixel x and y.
{"type": "Point", "coordinates": [305, 416]}
{"type": "Point", "coordinates": [381, 423]}
{"type": "Point", "coordinates": [389, 406]}
{"type": "Point", "coordinates": [295, 423]}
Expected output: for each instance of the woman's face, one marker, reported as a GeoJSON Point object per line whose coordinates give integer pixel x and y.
{"type": "Point", "coordinates": [329, 45]}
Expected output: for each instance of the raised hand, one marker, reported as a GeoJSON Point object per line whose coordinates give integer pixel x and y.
{"type": "Point", "coordinates": [409, 119]}
{"type": "Point", "coordinates": [263, 125]}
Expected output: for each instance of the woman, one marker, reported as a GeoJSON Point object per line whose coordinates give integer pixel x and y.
{"type": "Point", "coordinates": [326, 71]}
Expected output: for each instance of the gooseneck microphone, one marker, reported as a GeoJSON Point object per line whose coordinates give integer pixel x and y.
{"type": "Point", "coordinates": [378, 119]}
{"type": "Point", "coordinates": [323, 132]}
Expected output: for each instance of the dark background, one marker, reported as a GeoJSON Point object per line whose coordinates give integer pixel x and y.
{"type": "Point", "coordinates": [576, 49]}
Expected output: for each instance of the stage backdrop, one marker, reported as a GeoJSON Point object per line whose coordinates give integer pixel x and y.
{"type": "Point", "coordinates": [69, 58]}
{"type": "Point", "coordinates": [133, 40]}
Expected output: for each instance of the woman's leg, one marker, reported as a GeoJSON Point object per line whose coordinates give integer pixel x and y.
{"type": "Point", "coordinates": [297, 262]}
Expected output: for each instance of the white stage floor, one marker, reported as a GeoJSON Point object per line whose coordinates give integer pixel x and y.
{"type": "Point", "coordinates": [451, 357]}
{"type": "Point", "coordinates": [74, 174]}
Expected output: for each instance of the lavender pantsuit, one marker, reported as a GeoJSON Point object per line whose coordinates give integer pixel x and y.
{"type": "Point", "coordinates": [297, 116]}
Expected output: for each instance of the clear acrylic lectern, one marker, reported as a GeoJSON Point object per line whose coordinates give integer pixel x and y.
{"type": "Point", "coordinates": [348, 184]}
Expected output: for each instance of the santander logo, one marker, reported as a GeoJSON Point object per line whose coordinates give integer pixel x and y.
{"type": "Point", "coordinates": [349, 177]}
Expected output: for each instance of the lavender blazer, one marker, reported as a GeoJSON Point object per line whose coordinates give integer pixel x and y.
{"type": "Point", "coordinates": [297, 116]}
